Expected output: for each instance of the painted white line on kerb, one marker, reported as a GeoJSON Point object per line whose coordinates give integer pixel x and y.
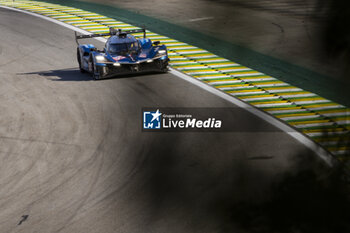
{"type": "Point", "coordinates": [321, 152]}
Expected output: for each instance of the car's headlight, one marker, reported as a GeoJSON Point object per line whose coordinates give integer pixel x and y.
{"type": "Point", "coordinates": [100, 58]}
{"type": "Point", "coordinates": [162, 51]}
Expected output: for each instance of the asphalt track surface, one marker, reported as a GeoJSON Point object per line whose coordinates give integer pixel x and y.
{"type": "Point", "coordinates": [73, 157]}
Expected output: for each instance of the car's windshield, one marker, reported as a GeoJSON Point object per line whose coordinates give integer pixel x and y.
{"type": "Point", "coordinates": [124, 48]}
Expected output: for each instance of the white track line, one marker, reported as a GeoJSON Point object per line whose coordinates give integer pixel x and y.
{"type": "Point", "coordinates": [321, 152]}
{"type": "Point", "coordinates": [200, 19]}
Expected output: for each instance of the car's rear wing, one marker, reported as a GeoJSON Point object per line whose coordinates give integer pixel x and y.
{"type": "Point", "coordinates": [112, 32]}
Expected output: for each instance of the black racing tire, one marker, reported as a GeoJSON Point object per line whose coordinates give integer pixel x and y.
{"type": "Point", "coordinates": [79, 61]}
{"type": "Point", "coordinates": [96, 75]}
{"type": "Point", "coordinates": [163, 66]}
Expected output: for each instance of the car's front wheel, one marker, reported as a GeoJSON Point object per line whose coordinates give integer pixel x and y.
{"type": "Point", "coordinates": [95, 71]}
{"type": "Point", "coordinates": [79, 61]}
{"type": "Point", "coordinates": [163, 65]}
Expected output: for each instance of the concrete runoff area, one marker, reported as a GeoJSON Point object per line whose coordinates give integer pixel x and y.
{"type": "Point", "coordinates": [74, 159]}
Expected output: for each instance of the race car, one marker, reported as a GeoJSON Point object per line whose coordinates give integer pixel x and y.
{"type": "Point", "coordinates": [122, 54]}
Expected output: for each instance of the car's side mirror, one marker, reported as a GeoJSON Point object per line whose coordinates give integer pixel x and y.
{"type": "Point", "coordinates": [156, 42]}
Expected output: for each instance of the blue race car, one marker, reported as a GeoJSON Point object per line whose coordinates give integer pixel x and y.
{"type": "Point", "coordinates": [123, 54]}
